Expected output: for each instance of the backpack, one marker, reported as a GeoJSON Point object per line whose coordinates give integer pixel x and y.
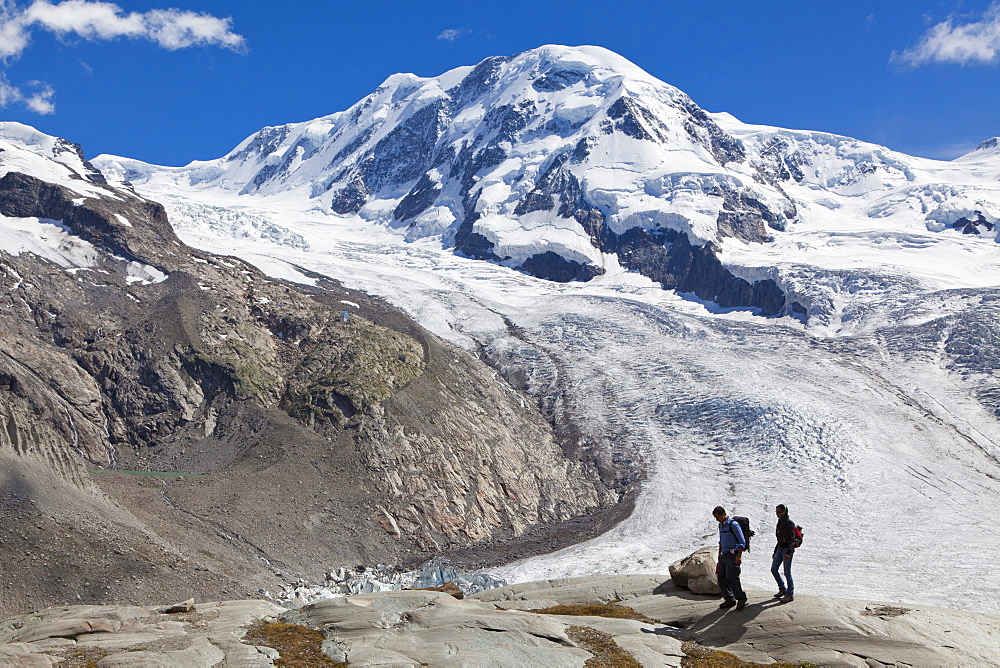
{"type": "Point", "coordinates": [745, 526]}
{"type": "Point", "coordinates": [797, 541]}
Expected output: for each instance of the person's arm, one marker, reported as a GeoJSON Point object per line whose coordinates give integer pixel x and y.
{"type": "Point", "coordinates": [741, 542]}
{"type": "Point", "coordinates": [787, 537]}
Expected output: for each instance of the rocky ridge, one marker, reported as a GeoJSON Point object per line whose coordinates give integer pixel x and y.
{"type": "Point", "coordinates": [174, 418]}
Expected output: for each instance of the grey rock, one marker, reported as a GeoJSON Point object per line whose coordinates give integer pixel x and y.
{"type": "Point", "coordinates": [410, 628]}
{"type": "Point", "coordinates": [128, 634]}
{"type": "Point", "coordinates": [696, 572]}
{"type": "Point", "coordinates": [704, 584]}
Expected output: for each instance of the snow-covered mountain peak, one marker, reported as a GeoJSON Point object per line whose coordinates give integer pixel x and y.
{"type": "Point", "coordinates": [586, 61]}
{"type": "Point", "coordinates": [25, 149]}
{"type": "Point", "coordinates": [989, 149]}
{"type": "Point", "coordinates": [429, 150]}
{"type": "Point", "coordinates": [570, 162]}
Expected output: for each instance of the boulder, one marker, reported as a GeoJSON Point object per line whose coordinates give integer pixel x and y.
{"type": "Point", "coordinates": [704, 584]}
{"type": "Point", "coordinates": [696, 572]}
{"type": "Point", "coordinates": [184, 606]}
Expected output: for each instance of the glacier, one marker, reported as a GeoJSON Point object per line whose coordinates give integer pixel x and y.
{"type": "Point", "coordinates": [867, 400]}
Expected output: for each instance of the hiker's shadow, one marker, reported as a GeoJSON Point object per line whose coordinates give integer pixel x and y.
{"type": "Point", "coordinates": [729, 623]}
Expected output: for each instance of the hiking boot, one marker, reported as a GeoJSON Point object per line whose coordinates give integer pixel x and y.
{"type": "Point", "coordinates": [728, 603]}
{"type": "Point", "coordinates": [742, 603]}
{"type": "Point", "coordinates": [788, 598]}
{"type": "Point", "coordinates": [780, 594]}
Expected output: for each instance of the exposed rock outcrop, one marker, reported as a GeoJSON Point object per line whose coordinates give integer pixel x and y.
{"type": "Point", "coordinates": [557, 623]}
{"type": "Point", "coordinates": [280, 437]}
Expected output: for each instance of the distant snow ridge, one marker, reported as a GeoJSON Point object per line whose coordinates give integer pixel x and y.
{"type": "Point", "coordinates": [556, 159]}
{"type": "Point", "coordinates": [52, 159]}
{"type": "Point", "coordinates": [27, 154]}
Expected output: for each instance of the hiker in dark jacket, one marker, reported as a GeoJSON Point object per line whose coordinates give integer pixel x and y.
{"type": "Point", "coordinates": [783, 553]}
{"type": "Point", "coordinates": [731, 546]}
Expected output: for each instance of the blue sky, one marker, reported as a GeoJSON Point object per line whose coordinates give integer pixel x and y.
{"type": "Point", "coordinates": [130, 79]}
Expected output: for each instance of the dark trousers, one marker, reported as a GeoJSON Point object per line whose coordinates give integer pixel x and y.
{"type": "Point", "coordinates": [729, 578]}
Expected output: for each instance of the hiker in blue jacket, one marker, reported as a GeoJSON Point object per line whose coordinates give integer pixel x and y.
{"type": "Point", "coordinates": [784, 550]}
{"type": "Point", "coordinates": [731, 546]}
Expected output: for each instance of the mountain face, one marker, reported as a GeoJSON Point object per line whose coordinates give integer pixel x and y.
{"type": "Point", "coordinates": [288, 427]}
{"type": "Point", "coordinates": [878, 400]}
{"type": "Point", "coordinates": [568, 162]}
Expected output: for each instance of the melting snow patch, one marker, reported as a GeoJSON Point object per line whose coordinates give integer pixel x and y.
{"type": "Point", "coordinates": [349, 303]}
{"type": "Point", "coordinates": [123, 220]}
{"type": "Point", "coordinates": [49, 239]}
{"type": "Point", "coordinates": [143, 274]}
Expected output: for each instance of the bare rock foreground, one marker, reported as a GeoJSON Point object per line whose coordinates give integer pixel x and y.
{"type": "Point", "coordinates": [540, 623]}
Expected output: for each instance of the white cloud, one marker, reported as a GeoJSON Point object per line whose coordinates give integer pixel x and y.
{"type": "Point", "coordinates": [13, 32]}
{"type": "Point", "coordinates": [95, 20]}
{"type": "Point", "coordinates": [90, 20]}
{"type": "Point", "coordinates": [9, 94]}
{"type": "Point", "coordinates": [40, 101]}
{"type": "Point", "coordinates": [174, 29]}
{"type": "Point", "coordinates": [960, 43]}
{"type": "Point", "coordinates": [451, 34]}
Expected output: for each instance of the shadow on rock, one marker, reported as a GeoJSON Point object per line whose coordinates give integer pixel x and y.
{"type": "Point", "coordinates": [671, 588]}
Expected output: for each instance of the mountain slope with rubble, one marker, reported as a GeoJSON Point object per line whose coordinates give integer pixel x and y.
{"type": "Point", "coordinates": [175, 419]}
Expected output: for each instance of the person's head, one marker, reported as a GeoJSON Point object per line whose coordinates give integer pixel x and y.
{"type": "Point", "coordinates": [781, 510]}
{"type": "Point", "coordinates": [719, 514]}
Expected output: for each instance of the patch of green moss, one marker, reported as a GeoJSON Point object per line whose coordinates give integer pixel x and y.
{"type": "Point", "coordinates": [884, 611]}
{"type": "Point", "coordinates": [298, 645]}
{"type": "Point", "coordinates": [243, 351]}
{"type": "Point", "coordinates": [252, 377]}
{"type": "Point", "coordinates": [607, 653]}
{"type": "Point", "coordinates": [82, 657]}
{"type": "Point", "coordinates": [359, 365]}
{"type": "Point", "coordinates": [612, 610]}
{"type": "Point", "coordinates": [698, 656]}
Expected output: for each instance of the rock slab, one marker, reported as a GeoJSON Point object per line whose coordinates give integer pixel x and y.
{"type": "Point", "coordinates": [514, 626]}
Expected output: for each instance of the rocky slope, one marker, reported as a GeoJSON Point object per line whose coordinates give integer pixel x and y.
{"type": "Point", "coordinates": [282, 429]}
{"type": "Point", "coordinates": [633, 620]}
